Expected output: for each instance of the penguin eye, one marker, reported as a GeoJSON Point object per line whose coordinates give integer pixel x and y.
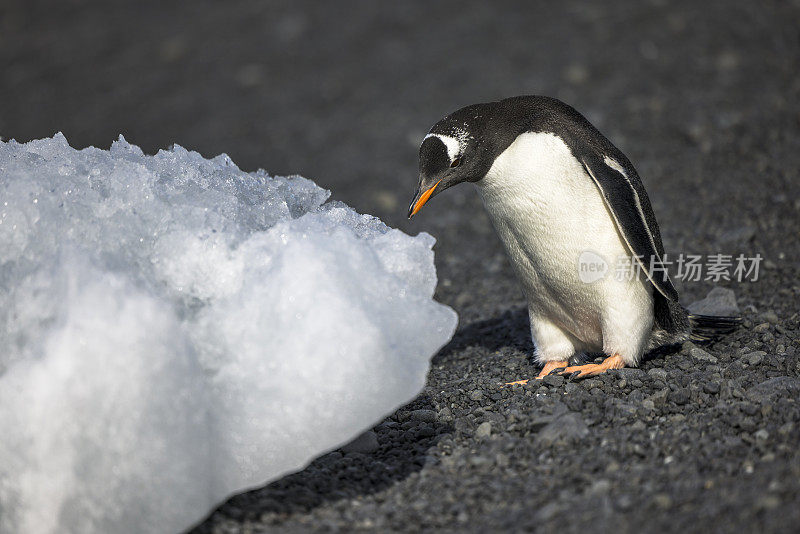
{"type": "Point", "coordinates": [456, 162]}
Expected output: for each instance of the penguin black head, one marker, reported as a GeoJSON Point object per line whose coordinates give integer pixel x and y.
{"type": "Point", "coordinates": [454, 151]}
{"type": "Point", "coordinates": [463, 146]}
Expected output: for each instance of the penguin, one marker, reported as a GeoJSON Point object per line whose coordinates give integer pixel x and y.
{"type": "Point", "coordinates": [563, 199]}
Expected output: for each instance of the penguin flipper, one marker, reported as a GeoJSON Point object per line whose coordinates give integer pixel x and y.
{"type": "Point", "coordinates": [627, 201]}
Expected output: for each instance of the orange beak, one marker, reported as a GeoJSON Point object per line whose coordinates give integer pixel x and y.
{"type": "Point", "coordinates": [421, 200]}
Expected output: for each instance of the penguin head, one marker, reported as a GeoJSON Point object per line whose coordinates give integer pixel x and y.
{"type": "Point", "coordinates": [450, 154]}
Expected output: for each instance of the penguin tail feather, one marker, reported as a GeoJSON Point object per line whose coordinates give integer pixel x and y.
{"type": "Point", "coordinates": [707, 328]}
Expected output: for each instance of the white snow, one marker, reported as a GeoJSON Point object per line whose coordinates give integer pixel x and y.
{"type": "Point", "coordinates": [174, 330]}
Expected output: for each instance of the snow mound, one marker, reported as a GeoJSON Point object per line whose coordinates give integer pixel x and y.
{"type": "Point", "coordinates": [174, 330]}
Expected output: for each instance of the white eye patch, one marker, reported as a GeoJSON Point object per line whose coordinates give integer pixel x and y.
{"type": "Point", "coordinates": [453, 145]}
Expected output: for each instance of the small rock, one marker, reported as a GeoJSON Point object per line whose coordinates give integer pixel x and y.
{"type": "Point", "coordinates": [364, 444]}
{"type": "Point", "coordinates": [462, 424]}
{"type": "Point", "coordinates": [770, 316]}
{"type": "Point", "coordinates": [648, 404]}
{"type": "Point", "coordinates": [719, 301]}
{"type": "Point", "coordinates": [484, 430]}
{"type": "Point", "coordinates": [426, 416]}
{"type": "Point", "coordinates": [680, 396]}
{"type": "Point", "coordinates": [761, 328]}
{"type": "Point", "coordinates": [476, 395]}
{"type": "Point", "coordinates": [779, 386]}
{"type": "Point", "coordinates": [754, 358]}
{"type": "Point", "coordinates": [563, 430]}
{"type": "Point", "coordinates": [699, 355]}
{"type": "Point", "coordinates": [631, 374]}
{"type": "Point", "coordinates": [554, 380]}
{"type": "Point", "coordinates": [749, 408]}
{"type": "Point", "coordinates": [538, 423]}
{"type": "Point", "coordinates": [636, 396]}
{"type": "Point", "coordinates": [657, 373]}
{"type": "Point", "coordinates": [591, 383]}
{"type": "Point", "coordinates": [426, 431]}
{"type": "Point", "coordinates": [761, 435]}
{"type": "Point", "coordinates": [711, 388]}
{"type": "Point", "coordinates": [659, 398]}
{"type": "Point", "coordinates": [330, 458]}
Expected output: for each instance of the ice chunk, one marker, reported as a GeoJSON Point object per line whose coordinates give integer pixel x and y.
{"type": "Point", "coordinates": [174, 330]}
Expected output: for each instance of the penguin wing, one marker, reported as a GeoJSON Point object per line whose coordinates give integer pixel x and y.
{"type": "Point", "coordinates": [626, 199]}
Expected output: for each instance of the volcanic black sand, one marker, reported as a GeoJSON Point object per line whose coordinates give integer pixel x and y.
{"type": "Point", "coordinates": [704, 97]}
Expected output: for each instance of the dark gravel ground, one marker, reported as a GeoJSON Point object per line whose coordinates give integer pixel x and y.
{"type": "Point", "coordinates": [704, 97]}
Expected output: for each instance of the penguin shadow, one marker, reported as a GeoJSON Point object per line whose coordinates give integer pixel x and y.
{"type": "Point", "coordinates": [511, 330]}
{"type": "Point", "coordinates": [404, 440]}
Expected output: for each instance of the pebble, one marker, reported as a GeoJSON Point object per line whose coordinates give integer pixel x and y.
{"type": "Point", "coordinates": [719, 301]}
{"type": "Point", "coordinates": [484, 430]}
{"type": "Point", "coordinates": [631, 373]}
{"type": "Point", "coordinates": [659, 398]}
{"type": "Point", "coordinates": [554, 380]}
{"type": "Point", "coordinates": [426, 416]}
{"type": "Point", "coordinates": [657, 373]}
{"type": "Point", "coordinates": [591, 383]}
{"type": "Point", "coordinates": [770, 316]}
{"type": "Point", "coordinates": [563, 430]}
{"type": "Point", "coordinates": [476, 395]}
{"type": "Point", "coordinates": [364, 444]}
{"type": "Point", "coordinates": [680, 396]}
{"type": "Point", "coordinates": [754, 358]}
{"type": "Point", "coordinates": [699, 355]}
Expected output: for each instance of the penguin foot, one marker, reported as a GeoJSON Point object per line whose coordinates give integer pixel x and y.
{"type": "Point", "coordinates": [516, 383]}
{"type": "Point", "coordinates": [593, 369]}
{"type": "Point", "coordinates": [551, 366]}
{"type": "Point", "coordinates": [548, 368]}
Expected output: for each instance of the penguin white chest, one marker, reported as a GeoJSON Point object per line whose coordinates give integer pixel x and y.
{"type": "Point", "coordinates": [548, 213]}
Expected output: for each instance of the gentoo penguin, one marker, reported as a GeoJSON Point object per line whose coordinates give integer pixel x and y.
{"type": "Point", "coordinates": [562, 197]}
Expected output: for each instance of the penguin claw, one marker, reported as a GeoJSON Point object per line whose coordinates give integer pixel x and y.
{"type": "Point", "coordinates": [551, 367]}
{"type": "Point", "coordinates": [515, 383]}
{"type": "Point", "coordinates": [593, 369]}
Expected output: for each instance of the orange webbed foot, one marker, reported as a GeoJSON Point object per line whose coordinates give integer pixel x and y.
{"type": "Point", "coordinates": [594, 369]}
{"type": "Point", "coordinates": [551, 366]}
{"type": "Point", "coordinates": [548, 368]}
